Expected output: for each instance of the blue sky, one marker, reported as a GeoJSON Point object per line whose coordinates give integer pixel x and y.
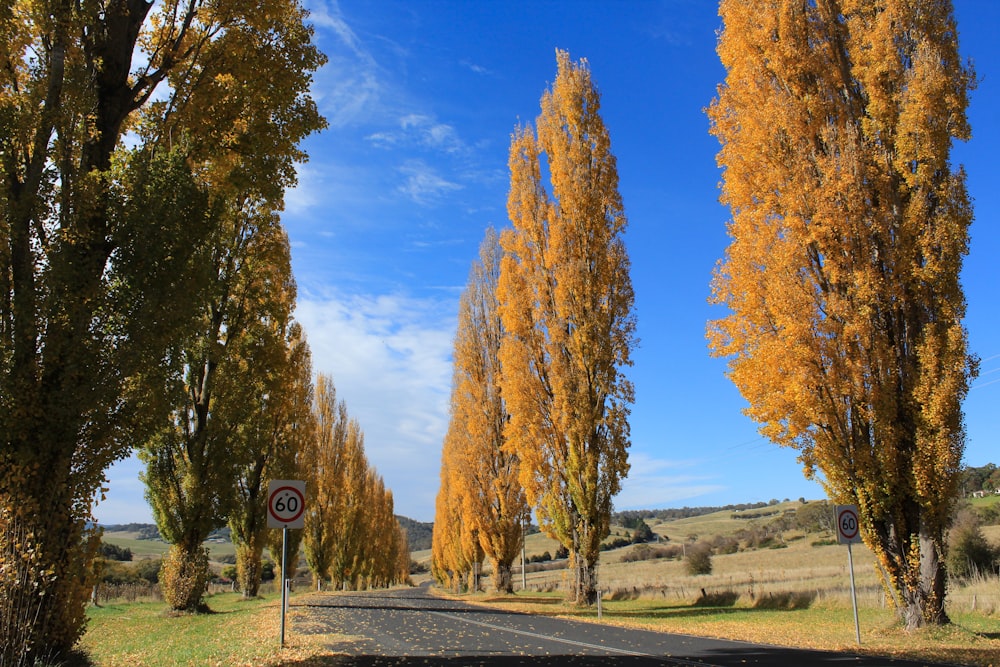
{"type": "Point", "coordinates": [421, 99]}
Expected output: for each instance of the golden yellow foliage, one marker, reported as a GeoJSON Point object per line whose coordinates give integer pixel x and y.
{"type": "Point", "coordinates": [566, 306]}
{"type": "Point", "coordinates": [848, 232]}
{"type": "Point", "coordinates": [351, 535]}
{"type": "Point", "coordinates": [484, 474]}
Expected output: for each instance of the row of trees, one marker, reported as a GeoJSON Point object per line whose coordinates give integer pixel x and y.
{"type": "Point", "coordinates": [145, 287]}
{"type": "Point", "coordinates": [111, 250]}
{"type": "Point", "coordinates": [546, 327]}
{"type": "Point", "coordinates": [351, 535]}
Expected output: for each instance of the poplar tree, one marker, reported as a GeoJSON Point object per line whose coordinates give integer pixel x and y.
{"type": "Point", "coordinates": [484, 471]}
{"type": "Point", "coordinates": [99, 242]}
{"type": "Point", "coordinates": [841, 280]}
{"type": "Point", "coordinates": [324, 462]}
{"type": "Point", "coordinates": [566, 306]}
{"type": "Point", "coordinates": [270, 442]}
{"type": "Point", "coordinates": [456, 553]}
{"type": "Point", "coordinates": [216, 385]}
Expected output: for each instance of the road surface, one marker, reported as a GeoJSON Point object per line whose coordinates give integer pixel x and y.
{"type": "Point", "coordinates": [411, 627]}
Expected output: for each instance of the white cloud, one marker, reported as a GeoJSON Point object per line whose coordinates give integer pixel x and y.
{"type": "Point", "coordinates": [390, 359]}
{"type": "Point", "coordinates": [422, 183]}
{"type": "Point", "coordinates": [347, 88]}
{"type": "Point", "coordinates": [422, 131]}
{"type": "Point", "coordinates": [654, 483]}
{"type": "Point", "coordinates": [478, 69]}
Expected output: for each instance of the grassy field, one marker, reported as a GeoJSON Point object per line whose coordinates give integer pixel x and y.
{"type": "Point", "coordinates": [156, 548]}
{"type": "Point", "coordinates": [237, 632]}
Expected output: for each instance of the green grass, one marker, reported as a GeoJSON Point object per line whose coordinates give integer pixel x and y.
{"type": "Point", "coordinates": [986, 501]}
{"type": "Point", "coordinates": [236, 632]}
{"type": "Point", "coordinates": [156, 548]}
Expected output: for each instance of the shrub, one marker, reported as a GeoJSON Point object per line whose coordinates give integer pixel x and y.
{"type": "Point", "coordinates": [616, 543]}
{"type": "Point", "coordinates": [815, 517]}
{"type": "Point", "coordinates": [115, 552]}
{"type": "Point", "coordinates": [148, 569]}
{"type": "Point", "coordinates": [646, 552]}
{"type": "Point", "coordinates": [643, 533]}
{"type": "Point", "coordinates": [969, 553]}
{"type": "Point", "coordinates": [698, 559]}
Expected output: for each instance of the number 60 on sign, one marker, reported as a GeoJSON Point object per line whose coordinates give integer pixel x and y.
{"type": "Point", "coordinates": [848, 525]}
{"type": "Point", "coordinates": [286, 503]}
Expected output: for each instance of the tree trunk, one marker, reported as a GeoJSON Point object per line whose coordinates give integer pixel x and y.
{"type": "Point", "coordinates": [184, 577]}
{"type": "Point", "coordinates": [585, 592]}
{"type": "Point", "coordinates": [248, 568]}
{"type": "Point", "coordinates": [503, 579]}
{"type": "Point", "coordinates": [45, 578]}
{"type": "Point", "coordinates": [924, 603]}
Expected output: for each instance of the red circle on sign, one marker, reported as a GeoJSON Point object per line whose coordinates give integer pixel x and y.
{"type": "Point", "coordinates": [848, 534]}
{"type": "Point", "coordinates": [274, 497]}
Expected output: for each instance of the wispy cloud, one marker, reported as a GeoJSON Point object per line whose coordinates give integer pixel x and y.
{"type": "Point", "coordinates": [655, 482]}
{"type": "Point", "coordinates": [423, 184]}
{"type": "Point", "coordinates": [390, 359]}
{"type": "Point", "coordinates": [473, 67]}
{"type": "Point", "coordinates": [347, 88]}
{"type": "Point", "coordinates": [420, 130]}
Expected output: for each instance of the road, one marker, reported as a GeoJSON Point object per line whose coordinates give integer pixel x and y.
{"type": "Point", "coordinates": [411, 627]}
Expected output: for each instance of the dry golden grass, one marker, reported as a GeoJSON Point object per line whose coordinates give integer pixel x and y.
{"type": "Point", "coordinates": [798, 595]}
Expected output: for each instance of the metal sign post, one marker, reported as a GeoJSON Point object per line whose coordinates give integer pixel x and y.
{"type": "Point", "coordinates": [286, 508]}
{"type": "Point", "coordinates": [848, 532]}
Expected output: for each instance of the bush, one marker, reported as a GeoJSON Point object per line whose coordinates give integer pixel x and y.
{"type": "Point", "coordinates": [115, 552]}
{"type": "Point", "coordinates": [148, 569]}
{"type": "Point", "coordinates": [616, 543]}
{"type": "Point", "coordinates": [815, 517]}
{"type": "Point", "coordinates": [184, 578]}
{"type": "Point", "coordinates": [969, 554]}
{"type": "Point", "coordinates": [643, 533]}
{"type": "Point", "coordinates": [646, 552]}
{"type": "Point", "coordinates": [698, 559]}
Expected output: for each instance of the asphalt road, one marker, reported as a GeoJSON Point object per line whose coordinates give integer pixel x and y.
{"type": "Point", "coordinates": [411, 627]}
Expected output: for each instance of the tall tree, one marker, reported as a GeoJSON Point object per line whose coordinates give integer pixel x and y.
{"type": "Point", "coordinates": [219, 374]}
{"type": "Point", "coordinates": [842, 276]}
{"type": "Point", "coordinates": [487, 472]}
{"type": "Point", "coordinates": [96, 249]}
{"type": "Point", "coordinates": [349, 526]}
{"type": "Point", "coordinates": [566, 304]}
{"type": "Point", "coordinates": [455, 549]}
{"type": "Point", "coordinates": [324, 464]}
{"type": "Point", "coordinates": [270, 441]}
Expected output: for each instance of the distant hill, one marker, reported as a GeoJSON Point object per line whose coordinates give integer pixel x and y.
{"type": "Point", "coordinates": [418, 533]}
{"type": "Point", "coordinates": [144, 531]}
{"type": "Point", "coordinates": [149, 531]}
{"type": "Point", "coordinates": [629, 518]}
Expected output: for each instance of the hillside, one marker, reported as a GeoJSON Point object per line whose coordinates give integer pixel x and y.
{"type": "Point", "coordinates": [144, 538]}
{"type": "Point", "coordinates": [418, 533]}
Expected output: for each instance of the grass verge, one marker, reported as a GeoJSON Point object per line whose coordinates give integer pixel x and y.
{"type": "Point", "coordinates": [236, 632]}
{"type": "Point", "coordinates": [972, 639]}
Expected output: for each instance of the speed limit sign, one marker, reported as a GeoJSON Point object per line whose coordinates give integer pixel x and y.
{"type": "Point", "coordinates": [286, 503]}
{"type": "Point", "coordinates": [848, 525]}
